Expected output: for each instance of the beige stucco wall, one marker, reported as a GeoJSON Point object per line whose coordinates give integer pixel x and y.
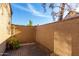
{"type": "Point", "coordinates": [4, 28]}
{"type": "Point", "coordinates": [60, 37]}
{"type": "Point", "coordinates": [70, 36]}
{"type": "Point", "coordinates": [45, 36]}
{"type": "Point", "coordinates": [25, 34]}
{"type": "Point", "coordinates": [55, 37]}
{"type": "Point", "coordinates": [4, 31]}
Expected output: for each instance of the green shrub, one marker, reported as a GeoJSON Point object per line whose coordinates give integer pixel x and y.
{"type": "Point", "coordinates": [13, 43]}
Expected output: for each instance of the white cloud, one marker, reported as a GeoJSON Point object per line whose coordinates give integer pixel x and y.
{"type": "Point", "coordinates": [77, 9]}
{"type": "Point", "coordinates": [35, 12]}
{"type": "Point", "coordinates": [32, 10]}
{"type": "Point", "coordinates": [20, 7]}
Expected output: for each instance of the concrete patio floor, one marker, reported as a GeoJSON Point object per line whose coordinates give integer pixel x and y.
{"type": "Point", "coordinates": [26, 50]}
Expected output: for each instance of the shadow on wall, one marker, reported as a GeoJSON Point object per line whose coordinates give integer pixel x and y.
{"type": "Point", "coordinates": [57, 41]}
{"type": "Point", "coordinates": [62, 43]}
{"type": "Point", "coordinates": [60, 38]}
{"type": "Point", "coordinates": [25, 34]}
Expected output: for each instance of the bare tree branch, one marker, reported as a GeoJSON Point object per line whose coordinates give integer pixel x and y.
{"type": "Point", "coordinates": [63, 7]}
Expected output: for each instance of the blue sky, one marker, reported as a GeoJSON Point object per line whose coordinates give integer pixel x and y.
{"type": "Point", "coordinates": [23, 12]}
